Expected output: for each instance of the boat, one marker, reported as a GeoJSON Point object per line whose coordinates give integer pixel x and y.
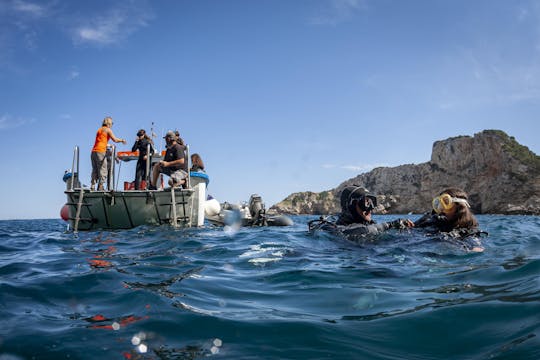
{"type": "Point", "coordinates": [252, 213]}
{"type": "Point", "coordinates": [112, 209]}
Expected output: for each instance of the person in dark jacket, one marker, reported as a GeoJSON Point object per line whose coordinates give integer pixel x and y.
{"type": "Point", "coordinates": [141, 144]}
{"type": "Point", "coordinates": [355, 216]}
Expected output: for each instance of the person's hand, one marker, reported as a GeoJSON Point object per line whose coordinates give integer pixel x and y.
{"type": "Point", "coordinates": [401, 224]}
{"type": "Point", "coordinates": [124, 141]}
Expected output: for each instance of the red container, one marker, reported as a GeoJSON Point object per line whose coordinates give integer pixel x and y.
{"type": "Point", "coordinates": [131, 185]}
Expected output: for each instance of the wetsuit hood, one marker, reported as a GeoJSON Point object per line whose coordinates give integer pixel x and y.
{"type": "Point", "coordinates": [349, 193]}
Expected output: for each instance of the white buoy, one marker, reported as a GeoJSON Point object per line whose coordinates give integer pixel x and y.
{"type": "Point", "coordinates": [211, 207]}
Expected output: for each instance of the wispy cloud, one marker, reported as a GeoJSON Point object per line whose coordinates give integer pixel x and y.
{"type": "Point", "coordinates": [354, 168]}
{"type": "Point", "coordinates": [28, 8]}
{"type": "Point", "coordinates": [73, 73]}
{"type": "Point", "coordinates": [112, 26]}
{"type": "Point", "coordinates": [338, 11]}
{"type": "Point", "coordinates": [9, 122]}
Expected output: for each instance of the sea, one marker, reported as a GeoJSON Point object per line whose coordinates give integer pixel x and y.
{"type": "Point", "coordinates": [268, 293]}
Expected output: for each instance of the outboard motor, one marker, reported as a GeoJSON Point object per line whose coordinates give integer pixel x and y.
{"type": "Point", "coordinates": [257, 211]}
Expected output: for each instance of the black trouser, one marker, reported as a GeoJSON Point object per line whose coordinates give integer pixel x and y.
{"type": "Point", "coordinates": [140, 173]}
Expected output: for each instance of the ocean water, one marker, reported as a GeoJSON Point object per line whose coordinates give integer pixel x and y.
{"type": "Point", "coordinates": [267, 293]}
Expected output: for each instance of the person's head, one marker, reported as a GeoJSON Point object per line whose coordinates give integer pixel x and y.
{"type": "Point", "coordinates": [141, 134]}
{"type": "Point", "coordinates": [170, 137]}
{"type": "Point", "coordinates": [107, 121]}
{"type": "Point", "coordinates": [179, 140]}
{"type": "Point", "coordinates": [453, 203]}
{"type": "Point", "coordinates": [197, 160]}
{"type": "Point", "coordinates": [356, 201]}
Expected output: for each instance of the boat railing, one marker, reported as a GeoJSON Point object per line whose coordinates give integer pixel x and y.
{"type": "Point", "coordinates": [111, 173]}
{"type": "Point", "coordinates": [186, 159]}
{"type": "Point", "coordinates": [74, 168]}
{"type": "Point", "coordinates": [111, 176]}
{"type": "Point", "coordinates": [148, 162]}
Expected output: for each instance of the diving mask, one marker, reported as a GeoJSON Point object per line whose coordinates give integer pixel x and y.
{"type": "Point", "coordinates": [445, 202]}
{"type": "Point", "coordinates": [367, 202]}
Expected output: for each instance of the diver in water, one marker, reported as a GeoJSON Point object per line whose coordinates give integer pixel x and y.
{"type": "Point", "coordinates": [355, 216]}
{"type": "Point", "coordinates": [451, 211]}
{"type": "Point", "coordinates": [451, 215]}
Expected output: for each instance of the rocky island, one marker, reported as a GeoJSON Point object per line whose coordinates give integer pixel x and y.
{"type": "Point", "coordinates": [500, 175]}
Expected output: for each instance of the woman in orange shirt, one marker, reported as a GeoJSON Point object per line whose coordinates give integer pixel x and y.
{"type": "Point", "coordinates": [99, 151]}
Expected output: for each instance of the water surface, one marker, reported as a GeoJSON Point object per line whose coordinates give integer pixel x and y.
{"type": "Point", "coordinates": [267, 293]}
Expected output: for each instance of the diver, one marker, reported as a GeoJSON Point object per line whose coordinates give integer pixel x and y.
{"type": "Point", "coordinates": [355, 218]}
{"type": "Point", "coordinates": [356, 208]}
{"type": "Point", "coordinates": [451, 211]}
{"type": "Point", "coordinates": [452, 216]}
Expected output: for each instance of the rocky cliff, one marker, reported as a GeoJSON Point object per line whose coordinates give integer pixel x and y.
{"type": "Point", "coordinates": [500, 175]}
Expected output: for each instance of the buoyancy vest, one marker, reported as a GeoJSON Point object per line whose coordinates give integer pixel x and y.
{"type": "Point", "coordinates": [102, 138]}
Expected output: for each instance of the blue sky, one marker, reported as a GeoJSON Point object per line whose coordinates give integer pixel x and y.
{"type": "Point", "coordinates": [277, 96]}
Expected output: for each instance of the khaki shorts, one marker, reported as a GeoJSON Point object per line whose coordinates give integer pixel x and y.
{"type": "Point", "coordinates": [177, 176]}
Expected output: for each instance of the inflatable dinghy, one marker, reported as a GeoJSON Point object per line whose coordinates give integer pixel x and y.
{"type": "Point", "coordinates": [252, 213]}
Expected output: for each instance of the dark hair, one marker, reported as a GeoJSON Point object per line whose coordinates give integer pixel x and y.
{"type": "Point", "coordinates": [463, 217]}
{"type": "Point", "coordinates": [179, 140]}
{"type": "Point", "coordinates": [142, 132]}
{"type": "Point", "coordinates": [197, 160]}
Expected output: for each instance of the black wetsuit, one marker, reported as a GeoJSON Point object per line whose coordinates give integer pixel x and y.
{"type": "Point", "coordinates": [353, 227]}
{"type": "Point", "coordinates": [435, 224]}
{"type": "Point", "coordinates": [140, 172]}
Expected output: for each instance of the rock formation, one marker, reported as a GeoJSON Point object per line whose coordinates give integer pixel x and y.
{"type": "Point", "coordinates": [500, 175]}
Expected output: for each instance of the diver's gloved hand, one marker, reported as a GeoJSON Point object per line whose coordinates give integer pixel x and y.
{"type": "Point", "coordinates": [401, 224]}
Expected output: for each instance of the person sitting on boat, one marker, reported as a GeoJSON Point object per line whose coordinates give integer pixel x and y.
{"type": "Point", "coordinates": [99, 153]}
{"type": "Point", "coordinates": [141, 145]}
{"type": "Point", "coordinates": [197, 165]}
{"type": "Point", "coordinates": [355, 216]}
{"type": "Point", "coordinates": [173, 164]}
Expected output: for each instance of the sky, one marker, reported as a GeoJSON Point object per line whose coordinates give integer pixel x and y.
{"type": "Point", "coordinates": [276, 96]}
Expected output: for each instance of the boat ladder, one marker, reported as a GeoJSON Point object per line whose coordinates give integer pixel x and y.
{"type": "Point", "coordinates": [174, 211]}
{"type": "Point", "coordinates": [78, 213]}
{"type": "Point", "coordinates": [174, 221]}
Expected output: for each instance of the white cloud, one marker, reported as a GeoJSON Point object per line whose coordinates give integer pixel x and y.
{"type": "Point", "coordinates": [29, 8]}
{"type": "Point", "coordinates": [9, 122]}
{"type": "Point", "coordinates": [74, 73]}
{"type": "Point", "coordinates": [338, 11]}
{"type": "Point", "coordinates": [111, 27]}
